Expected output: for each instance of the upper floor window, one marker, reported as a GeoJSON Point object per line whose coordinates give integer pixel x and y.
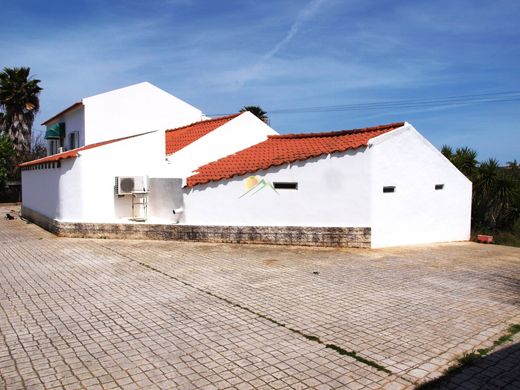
{"type": "Point", "coordinates": [54, 145]}
{"type": "Point", "coordinates": [74, 140]}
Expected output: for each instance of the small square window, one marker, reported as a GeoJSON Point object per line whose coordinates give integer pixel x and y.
{"type": "Point", "coordinates": [439, 187]}
{"type": "Point", "coordinates": [285, 185]}
{"type": "Point", "coordinates": [387, 189]}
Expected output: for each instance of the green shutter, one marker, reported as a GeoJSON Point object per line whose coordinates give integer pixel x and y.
{"type": "Point", "coordinates": [55, 131]}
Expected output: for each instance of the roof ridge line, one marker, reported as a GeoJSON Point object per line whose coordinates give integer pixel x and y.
{"type": "Point", "coordinates": [336, 133]}
{"type": "Point", "coordinates": [205, 121]}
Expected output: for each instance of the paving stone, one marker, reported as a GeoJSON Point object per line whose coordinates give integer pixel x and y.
{"type": "Point", "coordinates": [149, 314]}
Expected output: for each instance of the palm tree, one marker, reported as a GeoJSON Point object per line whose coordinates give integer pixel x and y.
{"type": "Point", "coordinates": [256, 111]}
{"type": "Point", "coordinates": [19, 99]}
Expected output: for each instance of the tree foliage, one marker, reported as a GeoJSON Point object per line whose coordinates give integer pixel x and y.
{"type": "Point", "coordinates": [496, 189]}
{"type": "Point", "coordinates": [256, 111]}
{"type": "Point", "coordinates": [6, 160]}
{"type": "Point", "coordinates": [19, 102]}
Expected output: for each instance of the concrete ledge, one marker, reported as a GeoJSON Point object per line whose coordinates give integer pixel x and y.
{"type": "Point", "coordinates": [352, 237]}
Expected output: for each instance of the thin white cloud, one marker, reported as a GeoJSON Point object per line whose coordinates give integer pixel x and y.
{"type": "Point", "coordinates": [305, 15]}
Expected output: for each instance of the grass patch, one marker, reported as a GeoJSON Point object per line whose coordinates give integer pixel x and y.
{"type": "Point", "coordinates": [354, 355]}
{"type": "Point", "coordinates": [312, 338]}
{"type": "Point", "coordinates": [507, 238]}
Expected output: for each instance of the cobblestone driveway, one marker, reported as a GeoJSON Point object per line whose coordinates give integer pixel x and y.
{"type": "Point", "coordinates": [144, 314]}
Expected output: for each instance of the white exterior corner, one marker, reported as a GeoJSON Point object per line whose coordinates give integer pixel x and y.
{"type": "Point", "coordinates": [416, 213]}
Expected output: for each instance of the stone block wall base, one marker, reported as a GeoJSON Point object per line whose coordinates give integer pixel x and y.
{"type": "Point", "coordinates": [351, 237]}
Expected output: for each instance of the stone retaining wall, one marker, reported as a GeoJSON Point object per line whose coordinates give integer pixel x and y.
{"type": "Point", "coordinates": [353, 237]}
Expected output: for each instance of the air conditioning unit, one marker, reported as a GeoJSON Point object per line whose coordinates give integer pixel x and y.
{"type": "Point", "coordinates": [131, 184]}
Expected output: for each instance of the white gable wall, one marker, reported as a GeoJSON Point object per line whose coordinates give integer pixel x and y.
{"type": "Point", "coordinates": [239, 133]}
{"type": "Point", "coordinates": [332, 191]}
{"type": "Point", "coordinates": [133, 110]}
{"type": "Point", "coordinates": [416, 213]}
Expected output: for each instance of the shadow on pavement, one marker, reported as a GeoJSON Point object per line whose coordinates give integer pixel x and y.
{"type": "Point", "coordinates": [498, 370]}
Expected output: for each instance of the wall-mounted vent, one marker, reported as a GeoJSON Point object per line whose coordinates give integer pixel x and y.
{"type": "Point", "coordinates": [439, 187]}
{"type": "Point", "coordinates": [387, 189]}
{"type": "Point", "coordinates": [283, 185]}
{"type": "Point", "coordinates": [131, 184]}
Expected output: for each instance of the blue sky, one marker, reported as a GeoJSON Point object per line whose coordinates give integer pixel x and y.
{"type": "Point", "coordinates": [222, 55]}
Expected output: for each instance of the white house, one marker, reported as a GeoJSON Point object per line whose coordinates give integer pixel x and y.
{"type": "Point", "coordinates": [387, 178]}
{"type": "Point", "coordinates": [119, 113]}
{"type": "Point", "coordinates": [79, 185]}
{"type": "Point", "coordinates": [234, 179]}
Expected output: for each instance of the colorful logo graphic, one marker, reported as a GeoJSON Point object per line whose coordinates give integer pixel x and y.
{"type": "Point", "coordinates": [255, 184]}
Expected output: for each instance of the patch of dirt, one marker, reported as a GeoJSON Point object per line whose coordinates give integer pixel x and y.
{"type": "Point", "coordinates": [270, 262]}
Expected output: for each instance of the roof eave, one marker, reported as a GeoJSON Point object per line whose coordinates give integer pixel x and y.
{"type": "Point", "coordinates": [69, 109]}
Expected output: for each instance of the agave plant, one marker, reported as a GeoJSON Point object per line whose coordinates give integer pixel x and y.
{"type": "Point", "coordinates": [465, 159]}
{"type": "Point", "coordinates": [447, 151]}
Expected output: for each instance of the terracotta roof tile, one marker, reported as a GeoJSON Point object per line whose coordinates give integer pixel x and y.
{"type": "Point", "coordinates": [178, 138]}
{"type": "Point", "coordinates": [74, 152]}
{"type": "Point", "coordinates": [283, 149]}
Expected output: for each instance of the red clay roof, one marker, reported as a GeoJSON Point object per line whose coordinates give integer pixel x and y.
{"type": "Point", "coordinates": [283, 149]}
{"type": "Point", "coordinates": [178, 138]}
{"type": "Point", "coordinates": [68, 109]}
{"type": "Point", "coordinates": [74, 152]}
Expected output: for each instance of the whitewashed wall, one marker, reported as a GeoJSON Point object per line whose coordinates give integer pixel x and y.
{"type": "Point", "coordinates": [133, 110]}
{"type": "Point", "coordinates": [75, 121]}
{"type": "Point", "coordinates": [237, 134]}
{"type": "Point", "coordinates": [165, 196]}
{"type": "Point", "coordinates": [137, 156]}
{"type": "Point", "coordinates": [332, 191]}
{"type": "Point", "coordinates": [416, 213]}
{"type": "Point", "coordinates": [40, 191]}
{"type": "Point", "coordinates": [71, 193]}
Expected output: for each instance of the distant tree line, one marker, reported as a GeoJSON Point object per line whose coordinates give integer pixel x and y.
{"type": "Point", "coordinates": [496, 190]}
